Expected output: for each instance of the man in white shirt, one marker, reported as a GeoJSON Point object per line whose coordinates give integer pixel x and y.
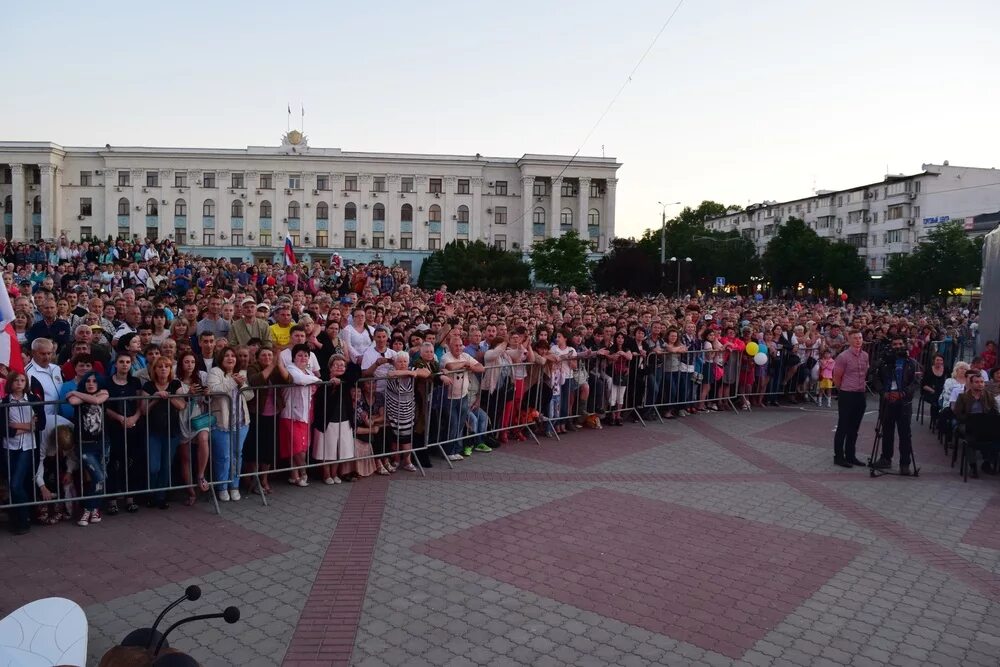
{"type": "Point", "coordinates": [377, 359]}
{"type": "Point", "coordinates": [457, 365]}
{"type": "Point", "coordinates": [298, 337]}
{"type": "Point", "coordinates": [44, 381]}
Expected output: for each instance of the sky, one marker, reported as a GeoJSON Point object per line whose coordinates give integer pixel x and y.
{"type": "Point", "coordinates": [736, 101]}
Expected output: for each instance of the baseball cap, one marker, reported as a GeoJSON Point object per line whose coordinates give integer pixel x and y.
{"type": "Point", "coordinates": [247, 300]}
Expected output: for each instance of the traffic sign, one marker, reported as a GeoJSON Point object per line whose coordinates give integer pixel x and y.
{"type": "Point", "coordinates": [720, 281]}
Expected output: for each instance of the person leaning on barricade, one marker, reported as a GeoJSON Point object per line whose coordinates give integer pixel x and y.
{"type": "Point", "coordinates": [896, 378]}
{"type": "Point", "coordinates": [22, 422]}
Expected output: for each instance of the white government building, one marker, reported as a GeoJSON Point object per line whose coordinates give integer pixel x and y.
{"type": "Point", "coordinates": [885, 218]}
{"type": "Point", "coordinates": [241, 203]}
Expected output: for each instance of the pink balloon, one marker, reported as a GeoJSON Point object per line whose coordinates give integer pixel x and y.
{"type": "Point", "coordinates": [843, 297]}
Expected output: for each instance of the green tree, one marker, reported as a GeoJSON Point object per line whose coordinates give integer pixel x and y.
{"type": "Point", "coordinates": [627, 267]}
{"type": "Point", "coordinates": [791, 256]}
{"type": "Point", "coordinates": [475, 265]}
{"type": "Point", "coordinates": [562, 261]}
{"type": "Point", "coordinates": [843, 269]}
{"type": "Point", "coordinates": [947, 258]}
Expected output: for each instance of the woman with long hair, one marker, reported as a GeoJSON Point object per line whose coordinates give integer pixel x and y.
{"type": "Point", "coordinates": [159, 324]}
{"type": "Point", "coordinates": [232, 419]}
{"type": "Point", "coordinates": [163, 410]}
{"type": "Point", "coordinates": [333, 438]}
{"type": "Point", "coordinates": [296, 413]}
{"type": "Point", "coordinates": [22, 425]}
{"type": "Point", "coordinates": [261, 451]}
{"type": "Point", "coordinates": [195, 425]}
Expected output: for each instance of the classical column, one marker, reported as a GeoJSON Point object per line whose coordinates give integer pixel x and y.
{"type": "Point", "coordinates": [279, 208]}
{"type": "Point", "coordinates": [365, 204]}
{"type": "Point", "coordinates": [449, 226]}
{"type": "Point", "coordinates": [47, 173]}
{"type": "Point", "coordinates": [137, 204]}
{"type": "Point", "coordinates": [609, 214]}
{"type": "Point", "coordinates": [223, 208]}
{"type": "Point", "coordinates": [335, 233]}
{"type": "Point", "coordinates": [392, 226]}
{"type": "Point", "coordinates": [527, 197]}
{"type": "Point", "coordinates": [421, 229]}
{"type": "Point", "coordinates": [18, 228]}
{"type": "Point", "coordinates": [555, 213]}
{"type": "Point", "coordinates": [583, 197]}
{"type": "Point", "coordinates": [476, 210]}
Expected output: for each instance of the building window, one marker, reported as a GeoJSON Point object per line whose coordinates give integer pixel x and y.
{"type": "Point", "coordinates": [463, 213]}
{"type": "Point", "coordinates": [538, 189]}
{"type": "Point", "coordinates": [463, 186]}
{"type": "Point", "coordinates": [295, 239]}
{"type": "Point", "coordinates": [916, 212]}
{"type": "Point", "coordinates": [351, 183]}
{"type": "Point", "coordinates": [434, 213]}
{"type": "Point", "coordinates": [406, 243]}
{"type": "Point", "coordinates": [894, 213]}
{"type": "Point", "coordinates": [566, 218]}
{"type": "Point", "coordinates": [86, 233]}
{"type": "Point", "coordinates": [322, 211]}
{"type": "Point", "coordinates": [295, 181]}
{"type": "Point", "coordinates": [123, 206]}
{"type": "Point", "coordinates": [124, 179]}
{"type": "Point", "coordinates": [594, 218]}
{"type": "Point", "coordinates": [208, 238]}
{"type": "Point", "coordinates": [500, 188]}
{"type": "Point", "coordinates": [236, 210]}
{"type": "Point", "coordinates": [378, 213]}
{"type": "Point", "coordinates": [180, 179]}
{"type": "Point", "coordinates": [567, 189]}
{"type": "Point", "coordinates": [322, 182]}
{"type": "Point", "coordinates": [500, 215]}
{"type": "Point", "coordinates": [208, 209]}
{"type": "Point", "coordinates": [434, 185]}
{"type": "Point", "coordinates": [265, 239]}
{"type": "Point", "coordinates": [500, 242]}
{"type": "Point", "coordinates": [208, 179]}
{"type": "Point", "coordinates": [406, 184]}
{"type": "Point", "coordinates": [350, 239]}
{"type": "Point", "coordinates": [6, 176]}
{"type": "Point", "coordinates": [180, 208]}
{"type": "Point", "coordinates": [86, 206]}
{"type": "Point", "coordinates": [894, 236]}
{"type": "Point", "coordinates": [433, 243]}
{"type": "Point", "coordinates": [236, 238]}
{"type": "Point", "coordinates": [538, 216]}
{"type": "Point", "coordinates": [322, 238]}
{"type": "Point", "coordinates": [406, 213]}
{"type": "Point", "coordinates": [86, 178]}
{"type": "Point", "coordinates": [378, 184]}
{"type": "Point", "coordinates": [916, 186]}
{"type": "Point", "coordinates": [595, 189]}
{"type": "Point", "coordinates": [151, 207]}
{"type": "Point", "coordinates": [265, 209]}
{"type": "Point", "coordinates": [239, 182]}
{"type": "Point", "coordinates": [378, 241]}
{"type": "Point", "coordinates": [267, 181]}
{"type": "Point", "coordinates": [350, 211]}
{"type": "Point", "coordinates": [293, 210]}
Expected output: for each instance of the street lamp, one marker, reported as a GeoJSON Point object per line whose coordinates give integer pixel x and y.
{"type": "Point", "coordinates": [663, 231]}
{"type": "Point", "coordinates": [674, 259]}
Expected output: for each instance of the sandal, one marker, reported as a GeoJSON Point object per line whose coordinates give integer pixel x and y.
{"type": "Point", "coordinates": [132, 507]}
{"type": "Point", "coordinates": [113, 508]}
{"type": "Point", "coordinates": [203, 484]}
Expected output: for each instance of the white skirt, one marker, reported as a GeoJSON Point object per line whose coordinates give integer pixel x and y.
{"type": "Point", "coordinates": [335, 443]}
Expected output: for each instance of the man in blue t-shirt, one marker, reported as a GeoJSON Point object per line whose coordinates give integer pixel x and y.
{"type": "Point", "coordinates": [182, 277]}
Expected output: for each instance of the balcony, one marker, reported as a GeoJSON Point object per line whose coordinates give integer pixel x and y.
{"type": "Point", "coordinates": [538, 229]}
{"type": "Point", "coordinates": [265, 224]}
{"type": "Point", "coordinates": [378, 225]}
{"type": "Point", "coordinates": [152, 221]}
{"type": "Point", "coordinates": [322, 225]}
{"type": "Point", "coordinates": [406, 227]}
{"type": "Point", "coordinates": [294, 224]}
{"type": "Point", "coordinates": [236, 223]}
{"type": "Point", "coordinates": [825, 211]}
{"type": "Point", "coordinates": [124, 221]}
{"type": "Point", "coordinates": [463, 229]}
{"type": "Point", "coordinates": [863, 205]}
{"type": "Point", "coordinates": [350, 225]}
{"type": "Point", "coordinates": [180, 221]}
{"type": "Point", "coordinates": [208, 221]}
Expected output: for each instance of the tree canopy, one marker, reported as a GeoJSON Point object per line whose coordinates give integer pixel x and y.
{"type": "Point", "coordinates": [562, 261]}
{"type": "Point", "coordinates": [947, 258]}
{"type": "Point", "coordinates": [468, 265]}
{"type": "Point", "coordinates": [797, 254]}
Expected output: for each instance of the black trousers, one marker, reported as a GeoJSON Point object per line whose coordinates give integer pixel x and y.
{"type": "Point", "coordinates": [850, 412]}
{"type": "Point", "coordinates": [897, 417]}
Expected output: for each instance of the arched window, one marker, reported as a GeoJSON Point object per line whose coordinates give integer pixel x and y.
{"type": "Point", "coordinates": [378, 212]}
{"type": "Point", "coordinates": [322, 211]}
{"type": "Point", "coordinates": [406, 213]}
{"type": "Point", "coordinates": [236, 210]}
{"type": "Point", "coordinates": [594, 218]}
{"type": "Point", "coordinates": [208, 209]}
{"type": "Point", "coordinates": [566, 217]}
{"type": "Point", "coordinates": [463, 213]}
{"type": "Point", "coordinates": [36, 206]}
{"type": "Point", "coordinates": [265, 209]}
{"type": "Point", "coordinates": [293, 209]}
{"type": "Point", "coordinates": [151, 207]}
{"type": "Point", "coordinates": [123, 206]}
{"type": "Point", "coordinates": [538, 216]}
{"type": "Point", "coordinates": [180, 208]}
{"type": "Point", "coordinates": [434, 213]}
{"type": "Point", "coordinates": [350, 211]}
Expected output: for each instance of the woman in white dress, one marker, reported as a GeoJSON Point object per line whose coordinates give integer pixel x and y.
{"type": "Point", "coordinates": [332, 436]}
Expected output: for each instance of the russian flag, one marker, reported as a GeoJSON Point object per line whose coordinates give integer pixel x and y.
{"type": "Point", "coordinates": [289, 254]}
{"type": "Point", "coordinates": [10, 349]}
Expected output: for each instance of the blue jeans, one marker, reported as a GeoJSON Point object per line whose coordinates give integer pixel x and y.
{"type": "Point", "coordinates": [92, 461]}
{"type": "Point", "coordinates": [654, 381]}
{"type": "Point", "coordinates": [458, 409]}
{"type": "Point", "coordinates": [161, 456]}
{"type": "Point", "coordinates": [20, 465]}
{"type": "Point", "coordinates": [227, 456]}
{"type": "Point", "coordinates": [478, 422]}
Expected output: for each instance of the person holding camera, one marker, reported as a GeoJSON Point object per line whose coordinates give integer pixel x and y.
{"type": "Point", "coordinates": [897, 380]}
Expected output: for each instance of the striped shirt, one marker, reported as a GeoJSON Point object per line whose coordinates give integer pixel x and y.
{"type": "Point", "coordinates": [400, 405]}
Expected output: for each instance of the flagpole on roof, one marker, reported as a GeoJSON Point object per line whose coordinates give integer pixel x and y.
{"type": "Point", "coordinates": [303, 122]}
{"type": "Point", "coordinates": [289, 125]}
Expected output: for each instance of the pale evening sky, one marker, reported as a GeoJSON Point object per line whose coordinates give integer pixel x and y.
{"type": "Point", "coordinates": [738, 101]}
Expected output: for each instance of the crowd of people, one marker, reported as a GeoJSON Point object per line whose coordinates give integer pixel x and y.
{"type": "Point", "coordinates": [152, 377]}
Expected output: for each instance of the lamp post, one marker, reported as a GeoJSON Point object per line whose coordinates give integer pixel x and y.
{"type": "Point", "coordinates": [678, 261]}
{"type": "Point", "coordinates": [663, 235]}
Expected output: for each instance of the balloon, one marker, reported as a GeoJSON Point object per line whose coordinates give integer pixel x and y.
{"type": "Point", "coordinates": [762, 348]}
{"type": "Point", "coordinates": [843, 297]}
{"type": "Point", "coordinates": [760, 359]}
{"type": "Point", "coordinates": [752, 348]}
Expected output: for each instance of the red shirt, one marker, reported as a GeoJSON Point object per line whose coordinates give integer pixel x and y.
{"type": "Point", "coordinates": [852, 369]}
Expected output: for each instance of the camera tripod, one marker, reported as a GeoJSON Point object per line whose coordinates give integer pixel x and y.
{"type": "Point", "coordinates": [876, 455]}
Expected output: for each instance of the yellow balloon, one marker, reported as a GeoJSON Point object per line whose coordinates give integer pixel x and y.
{"type": "Point", "coordinates": [752, 348]}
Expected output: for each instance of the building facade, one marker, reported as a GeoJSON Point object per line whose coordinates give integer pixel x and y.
{"type": "Point", "coordinates": [881, 219]}
{"type": "Point", "coordinates": [241, 203]}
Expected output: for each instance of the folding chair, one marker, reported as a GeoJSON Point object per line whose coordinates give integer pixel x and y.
{"type": "Point", "coordinates": [982, 432]}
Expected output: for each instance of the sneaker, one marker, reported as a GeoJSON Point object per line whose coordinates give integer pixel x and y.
{"type": "Point", "coordinates": [483, 447]}
{"type": "Point", "coordinates": [331, 480]}
{"type": "Point", "coordinates": [467, 451]}
{"type": "Point", "coordinates": [235, 494]}
{"type": "Point", "coordinates": [84, 519]}
{"type": "Point", "coordinates": [95, 516]}
{"type": "Point", "coordinates": [409, 467]}
{"type": "Point", "coordinates": [224, 495]}
{"type": "Point", "coordinates": [302, 482]}
{"type": "Point", "coordinates": [455, 457]}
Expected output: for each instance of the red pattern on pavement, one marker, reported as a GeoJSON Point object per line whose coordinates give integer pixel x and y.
{"type": "Point", "coordinates": [985, 530]}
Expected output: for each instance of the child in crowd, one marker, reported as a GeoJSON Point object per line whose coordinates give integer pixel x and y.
{"type": "Point", "coordinates": [826, 364]}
